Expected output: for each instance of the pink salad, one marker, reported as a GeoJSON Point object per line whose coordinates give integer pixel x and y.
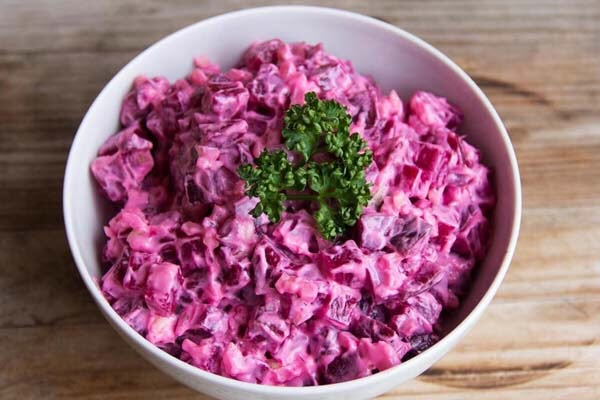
{"type": "Point", "coordinates": [193, 272]}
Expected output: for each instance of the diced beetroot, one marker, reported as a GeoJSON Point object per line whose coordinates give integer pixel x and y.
{"type": "Point", "coordinates": [364, 109]}
{"type": "Point", "coordinates": [430, 158]}
{"type": "Point", "coordinates": [163, 283]}
{"type": "Point", "coordinates": [323, 341]}
{"type": "Point", "coordinates": [161, 329]}
{"type": "Point", "coordinates": [332, 75]}
{"type": "Point", "coordinates": [245, 368]}
{"type": "Point", "coordinates": [427, 306]}
{"type": "Point", "coordinates": [299, 86]}
{"type": "Point", "coordinates": [301, 311]}
{"type": "Point", "coordinates": [298, 233]}
{"type": "Point", "coordinates": [473, 235]}
{"type": "Point", "coordinates": [137, 269]}
{"type": "Point", "coordinates": [261, 53]}
{"type": "Point", "coordinates": [380, 355]}
{"type": "Point", "coordinates": [391, 106]}
{"type": "Point", "coordinates": [296, 373]}
{"type": "Point", "coordinates": [199, 321]}
{"type": "Point", "coordinates": [304, 289]}
{"type": "Point", "coordinates": [214, 183]}
{"type": "Point", "coordinates": [112, 282]}
{"type": "Point", "coordinates": [268, 88]}
{"type": "Point", "coordinates": [221, 133]}
{"type": "Point", "coordinates": [345, 263]}
{"type": "Point", "coordinates": [188, 267]}
{"type": "Point", "coordinates": [293, 348]}
{"type": "Point", "coordinates": [434, 111]}
{"type": "Point", "coordinates": [343, 368]}
{"type": "Point", "coordinates": [420, 343]}
{"type": "Point", "coordinates": [238, 235]}
{"type": "Point", "coordinates": [341, 305]}
{"type": "Point", "coordinates": [145, 92]}
{"type": "Point", "coordinates": [266, 260]}
{"type": "Point", "coordinates": [366, 327]}
{"type": "Point", "coordinates": [123, 168]}
{"type": "Point", "coordinates": [191, 254]}
{"type": "Point", "coordinates": [419, 315]}
{"type": "Point", "coordinates": [402, 233]}
{"type": "Point", "coordinates": [374, 229]}
{"type": "Point", "coordinates": [190, 318]}
{"type": "Point", "coordinates": [205, 355]}
{"type": "Point", "coordinates": [409, 233]}
{"type": "Point", "coordinates": [225, 99]}
{"type": "Point", "coordinates": [409, 178]}
{"type": "Point", "coordinates": [387, 276]}
{"type": "Point", "coordinates": [137, 318]}
{"type": "Point", "coordinates": [269, 325]}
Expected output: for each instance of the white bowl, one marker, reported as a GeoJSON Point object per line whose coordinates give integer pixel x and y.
{"type": "Point", "coordinates": [397, 60]}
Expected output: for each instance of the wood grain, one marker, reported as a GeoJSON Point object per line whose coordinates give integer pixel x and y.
{"type": "Point", "coordinates": [538, 61]}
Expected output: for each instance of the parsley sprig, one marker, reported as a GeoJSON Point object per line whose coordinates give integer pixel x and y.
{"type": "Point", "coordinates": [330, 173]}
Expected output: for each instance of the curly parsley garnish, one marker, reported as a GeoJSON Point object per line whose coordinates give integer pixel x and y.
{"type": "Point", "coordinates": [331, 172]}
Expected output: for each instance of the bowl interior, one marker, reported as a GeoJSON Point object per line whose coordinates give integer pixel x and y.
{"type": "Point", "coordinates": [395, 59]}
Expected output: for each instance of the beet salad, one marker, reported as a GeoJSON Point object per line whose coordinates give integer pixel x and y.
{"type": "Point", "coordinates": [285, 222]}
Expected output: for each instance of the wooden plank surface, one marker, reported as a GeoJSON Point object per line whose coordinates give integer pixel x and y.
{"type": "Point", "coordinates": [538, 61]}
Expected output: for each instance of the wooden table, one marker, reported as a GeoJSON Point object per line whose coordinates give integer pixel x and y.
{"type": "Point", "coordinates": [538, 61]}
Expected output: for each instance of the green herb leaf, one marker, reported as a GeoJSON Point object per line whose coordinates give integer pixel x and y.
{"type": "Point", "coordinates": [335, 180]}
